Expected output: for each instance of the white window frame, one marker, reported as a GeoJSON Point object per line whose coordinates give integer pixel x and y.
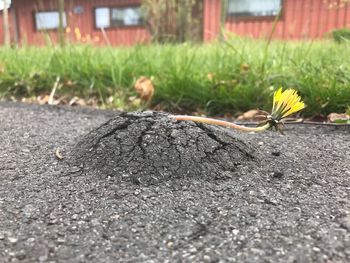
{"type": "Point", "coordinates": [250, 11]}
{"type": "Point", "coordinates": [40, 24]}
{"type": "Point", "coordinates": [105, 21]}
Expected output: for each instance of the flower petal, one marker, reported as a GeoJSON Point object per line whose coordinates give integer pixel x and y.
{"type": "Point", "coordinates": [286, 103]}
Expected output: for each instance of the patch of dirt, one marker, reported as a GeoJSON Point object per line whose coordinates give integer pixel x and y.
{"type": "Point", "coordinates": [148, 148]}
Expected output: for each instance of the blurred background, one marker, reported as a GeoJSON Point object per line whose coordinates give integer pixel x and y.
{"type": "Point", "coordinates": [203, 57]}
{"type": "Point", "coordinates": [128, 22]}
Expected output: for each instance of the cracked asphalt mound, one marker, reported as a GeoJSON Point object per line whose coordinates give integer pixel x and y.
{"type": "Point", "coordinates": [148, 148]}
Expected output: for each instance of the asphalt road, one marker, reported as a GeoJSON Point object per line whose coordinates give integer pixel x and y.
{"type": "Point", "coordinates": [292, 204]}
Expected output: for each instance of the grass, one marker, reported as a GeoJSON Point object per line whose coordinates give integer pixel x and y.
{"type": "Point", "coordinates": [217, 78]}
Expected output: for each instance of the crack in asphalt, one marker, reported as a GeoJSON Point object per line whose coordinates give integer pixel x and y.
{"type": "Point", "coordinates": [187, 155]}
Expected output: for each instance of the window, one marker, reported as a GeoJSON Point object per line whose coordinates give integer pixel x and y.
{"type": "Point", "coordinates": [253, 7]}
{"type": "Point", "coordinates": [102, 17]}
{"type": "Point", "coordinates": [48, 20]}
{"type": "Point", "coordinates": [117, 16]}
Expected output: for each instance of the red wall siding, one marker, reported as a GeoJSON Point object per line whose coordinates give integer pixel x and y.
{"type": "Point", "coordinates": [211, 19]}
{"type": "Point", "coordinates": [84, 23]}
{"type": "Point", "coordinates": [301, 19]}
{"type": "Point", "coordinates": [12, 27]}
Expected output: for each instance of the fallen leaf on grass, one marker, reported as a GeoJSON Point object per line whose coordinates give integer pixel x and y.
{"type": "Point", "coordinates": [144, 88]}
{"type": "Point", "coordinates": [338, 118]}
{"type": "Point", "coordinates": [76, 101]}
{"type": "Point", "coordinates": [46, 99]}
{"type": "Point", "coordinates": [43, 99]}
{"type": "Point", "coordinates": [244, 68]}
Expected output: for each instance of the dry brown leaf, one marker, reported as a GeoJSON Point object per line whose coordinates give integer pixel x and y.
{"type": "Point", "coordinates": [63, 100]}
{"type": "Point", "coordinates": [336, 117]}
{"type": "Point", "coordinates": [144, 88]}
{"type": "Point", "coordinates": [244, 68]}
{"type": "Point", "coordinates": [43, 99]}
{"type": "Point", "coordinates": [93, 102]}
{"type": "Point", "coordinates": [252, 115]}
{"type": "Point", "coordinates": [76, 101]}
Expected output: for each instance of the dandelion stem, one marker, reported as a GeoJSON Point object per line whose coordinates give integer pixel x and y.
{"type": "Point", "coordinates": [220, 123]}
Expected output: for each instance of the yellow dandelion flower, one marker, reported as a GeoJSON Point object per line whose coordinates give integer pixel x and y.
{"type": "Point", "coordinates": [286, 103]}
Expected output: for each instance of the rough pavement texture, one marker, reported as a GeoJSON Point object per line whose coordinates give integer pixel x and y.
{"type": "Point", "coordinates": [289, 204]}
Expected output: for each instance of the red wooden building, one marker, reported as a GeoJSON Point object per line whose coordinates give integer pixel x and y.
{"type": "Point", "coordinates": [299, 19]}
{"type": "Point", "coordinates": [119, 21]}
